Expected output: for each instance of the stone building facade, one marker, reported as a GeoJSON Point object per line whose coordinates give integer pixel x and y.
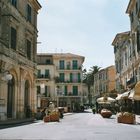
{"type": "Point", "coordinates": [18, 46]}
{"type": "Point", "coordinates": [127, 55]}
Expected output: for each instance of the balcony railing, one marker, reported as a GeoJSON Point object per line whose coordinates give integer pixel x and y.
{"type": "Point", "coordinates": [58, 80]}
{"type": "Point", "coordinates": [68, 68]}
{"type": "Point", "coordinates": [43, 76]}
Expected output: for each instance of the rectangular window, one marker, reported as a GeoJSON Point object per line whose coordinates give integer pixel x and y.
{"type": "Point", "coordinates": [61, 64]}
{"type": "Point", "coordinates": [29, 12]}
{"type": "Point", "coordinates": [13, 38]}
{"type": "Point", "coordinates": [66, 90]}
{"type": "Point", "coordinates": [48, 61]}
{"type": "Point", "coordinates": [75, 90]}
{"type": "Point", "coordinates": [28, 49]}
{"type": "Point", "coordinates": [39, 73]}
{"type": "Point", "coordinates": [138, 41]}
{"type": "Point", "coordinates": [46, 91]}
{"type": "Point", "coordinates": [62, 77]}
{"type": "Point", "coordinates": [74, 64]}
{"type": "Point", "coordinates": [46, 73]}
{"type": "Point", "coordinates": [131, 17]}
{"type": "Point", "coordinates": [76, 77]}
{"type": "Point", "coordinates": [71, 77]}
{"type": "Point", "coordinates": [14, 3]}
{"type": "Point", "coordinates": [38, 89]}
{"type": "Point", "coordinates": [79, 77]}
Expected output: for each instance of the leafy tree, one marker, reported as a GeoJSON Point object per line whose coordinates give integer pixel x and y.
{"type": "Point", "coordinates": [88, 78]}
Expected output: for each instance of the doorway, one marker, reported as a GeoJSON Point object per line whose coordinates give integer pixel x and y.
{"type": "Point", "coordinates": [27, 99]}
{"type": "Point", "coordinates": [10, 98]}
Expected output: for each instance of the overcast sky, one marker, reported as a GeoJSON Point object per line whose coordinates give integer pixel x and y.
{"type": "Point", "coordinates": [83, 27]}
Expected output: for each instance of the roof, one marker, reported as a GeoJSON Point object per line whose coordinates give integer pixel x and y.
{"type": "Point", "coordinates": [37, 4]}
{"type": "Point", "coordinates": [61, 54]}
{"type": "Point", "coordinates": [67, 55]}
{"type": "Point", "coordinates": [120, 35]}
{"type": "Point", "coordinates": [130, 6]}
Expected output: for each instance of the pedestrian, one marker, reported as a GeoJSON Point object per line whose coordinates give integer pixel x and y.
{"type": "Point", "coordinates": [43, 113]}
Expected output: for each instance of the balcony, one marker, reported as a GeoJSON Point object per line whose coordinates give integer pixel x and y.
{"type": "Point", "coordinates": [58, 80]}
{"type": "Point", "coordinates": [68, 68]}
{"type": "Point", "coordinates": [43, 76]}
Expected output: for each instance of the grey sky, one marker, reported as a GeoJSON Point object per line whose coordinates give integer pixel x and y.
{"type": "Point", "coordinates": [83, 27]}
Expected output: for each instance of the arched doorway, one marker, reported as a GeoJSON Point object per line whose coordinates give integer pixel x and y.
{"type": "Point", "coordinates": [27, 99]}
{"type": "Point", "coordinates": [10, 98]}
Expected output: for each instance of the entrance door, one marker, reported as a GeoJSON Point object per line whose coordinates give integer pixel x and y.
{"type": "Point", "coordinates": [10, 98]}
{"type": "Point", "coordinates": [26, 99]}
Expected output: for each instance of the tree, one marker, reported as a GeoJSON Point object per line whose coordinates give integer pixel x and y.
{"type": "Point", "coordinates": [88, 78]}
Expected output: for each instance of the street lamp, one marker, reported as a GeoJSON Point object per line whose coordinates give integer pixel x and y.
{"type": "Point", "coordinates": [6, 76]}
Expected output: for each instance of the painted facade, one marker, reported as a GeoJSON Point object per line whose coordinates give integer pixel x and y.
{"type": "Point", "coordinates": [104, 82]}
{"type": "Point", "coordinates": [64, 85]}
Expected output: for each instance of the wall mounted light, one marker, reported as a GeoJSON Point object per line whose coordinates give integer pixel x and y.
{"type": "Point", "coordinates": [6, 76]}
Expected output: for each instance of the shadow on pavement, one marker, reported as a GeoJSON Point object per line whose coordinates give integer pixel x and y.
{"type": "Point", "coordinates": [16, 125]}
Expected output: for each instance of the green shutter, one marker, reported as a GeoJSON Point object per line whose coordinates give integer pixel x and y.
{"type": "Point", "coordinates": [62, 77]}
{"type": "Point", "coordinates": [79, 77]}
{"type": "Point", "coordinates": [46, 73]}
{"type": "Point", "coordinates": [75, 90]}
{"type": "Point", "coordinates": [66, 90]}
{"type": "Point", "coordinates": [39, 73]}
{"type": "Point", "coordinates": [71, 77]}
{"type": "Point", "coordinates": [61, 64]}
{"type": "Point", "coordinates": [75, 64]}
{"type": "Point", "coordinates": [46, 91]}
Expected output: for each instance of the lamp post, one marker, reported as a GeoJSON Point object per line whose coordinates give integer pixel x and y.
{"type": "Point", "coordinates": [6, 76]}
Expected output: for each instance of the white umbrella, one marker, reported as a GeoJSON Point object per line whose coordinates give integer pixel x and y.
{"type": "Point", "coordinates": [105, 100]}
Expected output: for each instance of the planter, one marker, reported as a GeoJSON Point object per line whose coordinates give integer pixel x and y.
{"type": "Point", "coordinates": [46, 119]}
{"type": "Point", "coordinates": [105, 113]}
{"type": "Point", "coordinates": [126, 118]}
{"type": "Point", "coordinates": [53, 117]}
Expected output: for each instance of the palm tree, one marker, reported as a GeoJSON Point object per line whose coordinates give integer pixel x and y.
{"type": "Point", "coordinates": [89, 78]}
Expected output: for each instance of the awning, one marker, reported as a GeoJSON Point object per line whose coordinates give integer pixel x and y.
{"type": "Point", "coordinates": [105, 99]}
{"type": "Point", "coordinates": [137, 91]}
{"type": "Point", "coordinates": [131, 95]}
{"type": "Point", "coordinates": [118, 97]}
{"type": "Point", "coordinates": [123, 95]}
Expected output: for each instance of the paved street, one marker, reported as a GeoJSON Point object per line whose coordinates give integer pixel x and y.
{"type": "Point", "coordinates": [78, 126]}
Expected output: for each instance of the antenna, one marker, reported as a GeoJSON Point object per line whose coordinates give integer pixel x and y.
{"type": "Point", "coordinates": [55, 50]}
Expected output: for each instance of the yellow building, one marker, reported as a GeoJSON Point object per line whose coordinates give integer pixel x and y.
{"type": "Point", "coordinates": [104, 82]}
{"type": "Point", "coordinates": [61, 74]}
{"type": "Point", "coordinates": [18, 37]}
